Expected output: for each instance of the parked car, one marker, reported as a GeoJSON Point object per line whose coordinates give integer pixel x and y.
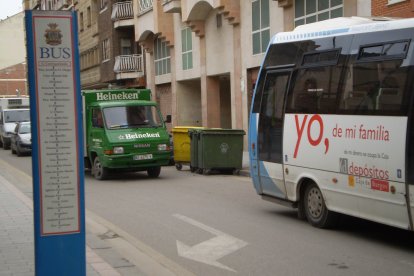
{"type": "Point", "coordinates": [21, 139]}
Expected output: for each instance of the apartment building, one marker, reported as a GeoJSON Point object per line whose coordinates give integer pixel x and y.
{"type": "Point", "coordinates": [89, 47]}
{"type": "Point", "coordinates": [203, 57]}
{"type": "Point", "coordinates": [56, 4]}
{"type": "Point", "coordinates": [121, 55]}
{"type": "Point", "coordinates": [200, 58]}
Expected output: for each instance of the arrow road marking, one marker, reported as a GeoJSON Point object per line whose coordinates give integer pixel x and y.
{"type": "Point", "coordinates": [209, 251]}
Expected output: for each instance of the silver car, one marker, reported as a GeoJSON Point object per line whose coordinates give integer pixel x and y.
{"type": "Point", "coordinates": [21, 139]}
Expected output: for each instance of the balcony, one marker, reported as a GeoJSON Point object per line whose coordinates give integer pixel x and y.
{"type": "Point", "coordinates": [128, 67]}
{"type": "Point", "coordinates": [171, 6]}
{"type": "Point", "coordinates": [144, 6]}
{"type": "Point", "coordinates": [123, 14]}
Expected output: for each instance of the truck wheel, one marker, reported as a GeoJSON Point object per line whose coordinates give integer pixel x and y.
{"type": "Point", "coordinates": [315, 209]}
{"type": "Point", "coordinates": [99, 171]}
{"type": "Point", "coordinates": [154, 172]}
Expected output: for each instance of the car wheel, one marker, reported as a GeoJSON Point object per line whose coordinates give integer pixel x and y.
{"type": "Point", "coordinates": [154, 172]}
{"type": "Point", "coordinates": [99, 171]}
{"type": "Point", "coordinates": [315, 209]}
{"type": "Point", "coordinates": [18, 152]}
{"type": "Point", "coordinates": [6, 146]}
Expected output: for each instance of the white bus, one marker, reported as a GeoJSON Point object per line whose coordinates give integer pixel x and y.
{"type": "Point", "coordinates": [332, 121]}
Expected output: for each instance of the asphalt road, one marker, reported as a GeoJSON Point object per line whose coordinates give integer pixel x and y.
{"type": "Point", "coordinates": [217, 225]}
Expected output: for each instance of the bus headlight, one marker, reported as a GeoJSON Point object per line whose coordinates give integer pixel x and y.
{"type": "Point", "coordinates": [118, 150]}
{"type": "Point", "coordinates": [162, 147]}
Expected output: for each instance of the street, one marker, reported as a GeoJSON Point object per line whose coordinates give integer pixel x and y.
{"type": "Point", "coordinates": [218, 225]}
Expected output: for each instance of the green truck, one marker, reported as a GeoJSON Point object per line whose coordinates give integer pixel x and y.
{"type": "Point", "coordinates": [124, 131]}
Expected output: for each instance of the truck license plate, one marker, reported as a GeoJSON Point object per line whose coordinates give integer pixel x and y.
{"type": "Point", "coordinates": [143, 157]}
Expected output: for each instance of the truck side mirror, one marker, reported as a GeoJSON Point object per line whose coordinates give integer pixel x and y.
{"type": "Point", "coordinates": [168, 119]}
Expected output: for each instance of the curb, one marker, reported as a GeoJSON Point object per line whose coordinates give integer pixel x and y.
{"type": "Point", "coordinates": [244, 172]}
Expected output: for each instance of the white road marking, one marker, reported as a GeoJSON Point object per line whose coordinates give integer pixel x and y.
{"type": "Point", "coordinates": [209, 251]}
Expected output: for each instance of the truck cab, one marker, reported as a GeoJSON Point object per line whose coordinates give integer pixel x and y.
{"type": "Point", "coordinates": [124, 131]}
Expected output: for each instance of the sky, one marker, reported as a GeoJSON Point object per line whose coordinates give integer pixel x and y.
{"type": "Point", "coordinates": [10, 7]}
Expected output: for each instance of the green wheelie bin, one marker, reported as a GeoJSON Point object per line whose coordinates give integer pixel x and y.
{"type": "Point", "coordinates": [194, 135]}
{"type": "Point", "coordinates": [218, 149]}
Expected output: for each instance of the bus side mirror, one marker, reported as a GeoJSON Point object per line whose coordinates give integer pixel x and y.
{"type": "Point", "coordinates": [168, 119]}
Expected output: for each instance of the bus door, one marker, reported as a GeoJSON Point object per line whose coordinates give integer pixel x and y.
{"type": "Point", "coordinates": [270, 134]}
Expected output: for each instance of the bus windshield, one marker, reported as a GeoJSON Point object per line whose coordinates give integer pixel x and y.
{"type": "Point", "coordinates": [131, 117]}
{"type": "Point", "coordinates": [15, 116]}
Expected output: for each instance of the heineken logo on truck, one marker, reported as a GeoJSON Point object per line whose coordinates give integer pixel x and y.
{"type": "Point", "coordinates": [100, 96]}
{"type": "Point", "coordinates": [130, 136]}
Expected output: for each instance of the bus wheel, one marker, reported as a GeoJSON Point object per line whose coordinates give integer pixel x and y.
{"type": "Point", "coordinates": [315, 209]}
{"type": "Point", "coordinates": [99, 171]}
{"type": "Point", "coordinates": [154, 172]}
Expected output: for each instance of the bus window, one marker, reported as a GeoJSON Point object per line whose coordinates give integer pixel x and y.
{"type": "Point", "coordinates": [375, 88]}
{"type": "Point", "coordinates": [315, 90]}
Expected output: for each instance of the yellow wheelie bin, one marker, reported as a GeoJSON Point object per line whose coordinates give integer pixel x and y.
{"type": "Point", "coordinates": [182, 145]}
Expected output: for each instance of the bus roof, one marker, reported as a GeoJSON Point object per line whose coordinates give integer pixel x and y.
{"type": "Point", "coordinates": [341, 26]}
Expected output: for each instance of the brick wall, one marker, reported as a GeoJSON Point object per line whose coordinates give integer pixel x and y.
{"type": "Point", "coordinates": [403, 9]}
{"type": "Point", "coordinates": [12, 78]}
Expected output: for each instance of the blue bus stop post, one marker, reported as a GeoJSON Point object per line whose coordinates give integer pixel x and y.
{"type": "Point", "coordinates": [57, 252]}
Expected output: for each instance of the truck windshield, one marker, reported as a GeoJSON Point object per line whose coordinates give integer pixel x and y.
{"type": "Point", "coordinates": [131, 117]}
{"type": "Point", "coordinates": [14, 116]}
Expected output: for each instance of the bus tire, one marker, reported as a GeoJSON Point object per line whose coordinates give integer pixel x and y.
{"type": "Point", "coordinates": [315, 208]}
{"type": "Point", "coordinates": [99, 171]}
{"type": "Point", "coordinates": [154, 172]}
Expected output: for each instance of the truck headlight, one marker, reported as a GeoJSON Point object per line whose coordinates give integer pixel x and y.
{"type": "Point", "coordinates": [118, 150]}
{"type": "Point", "coordinates": [162, 147]}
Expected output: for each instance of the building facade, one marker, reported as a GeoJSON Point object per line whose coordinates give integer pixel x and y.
{"type": "Point", "coordinates": [12, 56]}
{"type": "Point", "coordinates": [203, 57]}
{"type": "Point", "coordinates": [89, 47]}
{"type": "Point", "coordinates": [200, 58]}
{"type": "Point", "coordinates": [12, 46]}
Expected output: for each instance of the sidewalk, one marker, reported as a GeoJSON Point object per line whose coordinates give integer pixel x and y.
{"type": "Point", "coordinates": [102, 254]}
{"type": "Point", "coordinates": [17, 245]}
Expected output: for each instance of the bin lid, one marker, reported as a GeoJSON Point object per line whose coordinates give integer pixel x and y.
{"type": "Point", "coordinates": [221, 131]}
{"type": "Point", "coordinates": [184, 129]}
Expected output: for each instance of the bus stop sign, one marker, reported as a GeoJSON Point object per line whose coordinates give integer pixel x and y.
{"type": "Point", "coordinates": [57, 154]}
